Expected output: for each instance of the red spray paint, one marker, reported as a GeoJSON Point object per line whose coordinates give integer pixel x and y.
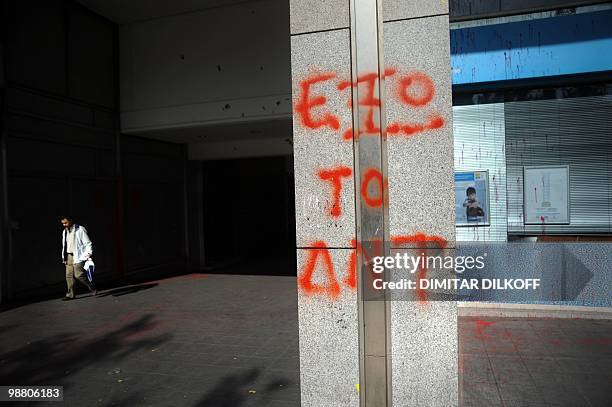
{"type": "Point", "coordinates": [369, 100]}
{"type": "Point", "coordinates": [416, 89]}
{"type": "Point", "coordinates": [372, 174]}
{"type": "Point", "coordinates": [421, 241]}
{"type": "Point", "coordinates": [332, 288]}
{"type": "Point", "coordinates": [334, 176]}
{"type": "Point", "coordinates": [306, 103]}
{"type": "Point", "coordinates": [351, 273]}
{"type": "Point", "coordinates": [480, 327]}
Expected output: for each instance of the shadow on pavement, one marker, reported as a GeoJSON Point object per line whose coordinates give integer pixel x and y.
{"type": "Point", "coordinates": [6, 328]}
{"type": "Point", "coordinates": [60, 358]}
{"type": "Point", "coordinates": [234, 390]}
{"type": "Point", "coordinates": [103, 282]}
{"type": "Point", "coordinates": [120, 291]}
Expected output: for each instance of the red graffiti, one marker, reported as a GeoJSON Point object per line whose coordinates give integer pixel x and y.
{"type": "Point", "coordinates": [421, 241]}
{"type": "Point", "coordinates": [595, 341]}
{"type": "Point", "coordinates": [416, 89]}
{"type": "Point", "coordinates": [373, 197]}
{"type": "Point", "coordinates": [369, 101]}
{"type": "Point", "coordinates": [332, 287]}
{"type": "Point", "coordinates": [305, 279]}
{"type": "Point", "coordinates": [348, 134]}
{"type": "Point", "coordinates": [334, 176]}
{"type": "Point", "coordinates": [372, 174]}
{"type": "Point", "coordinates": [351, 270]}
{"type": "Point", "coordinates": [307, 102]}
{"type": "Point", "coordinates": [410, 129]}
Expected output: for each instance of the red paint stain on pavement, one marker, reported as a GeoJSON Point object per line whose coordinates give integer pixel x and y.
{"type": "Point", "coordinates": [194, 276]}
{"type": "Point", "coordinates": [481, 326]}
{"type": "Point", "coordinates": [595, 342]}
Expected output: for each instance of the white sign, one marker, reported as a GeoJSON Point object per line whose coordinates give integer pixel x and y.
{"type": "Point", "coordinates": [546, 195]}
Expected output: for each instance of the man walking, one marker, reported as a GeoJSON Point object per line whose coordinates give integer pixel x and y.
{"type": "Point", "coordinates": [76, 249]}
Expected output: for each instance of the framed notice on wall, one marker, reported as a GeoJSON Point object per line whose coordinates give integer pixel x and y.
{"type": "Point", "coordinates": [546, 195]}
{"type": "Point", "coordinates": [472, 198]}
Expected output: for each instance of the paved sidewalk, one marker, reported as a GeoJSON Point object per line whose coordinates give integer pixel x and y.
{"type": "Point", "coordinates": [535, 362]}
{"type": "Point", "coordinates": [228, 340]}
{"type": "Point", "coordinates": [193, 340]}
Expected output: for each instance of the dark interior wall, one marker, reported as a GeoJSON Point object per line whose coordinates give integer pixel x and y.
{"type": "Point", "coordinates": [62, 143]}
{"type": "Point", "coordinates": [249, 214]}
{"type": "Point", "coordinates": [61, 48]}
{"type": "Point", "coordinates": [195, 208]}
{"type": "Point", "coordinates": [60, 137]}
{"type": "Point", "coordinates": [49, 175]}
{"type": "Point", "coordinates": [153, 174]}
{"type": "Point", "coordinates": [4, 244]}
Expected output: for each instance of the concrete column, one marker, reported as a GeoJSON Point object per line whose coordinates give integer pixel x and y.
{"type": "Point", "coordinates": [421, 184]}
{"type": "Point", "coordinates": [409, 145]}
{"type": "Point", "coordinates": [325, 202]}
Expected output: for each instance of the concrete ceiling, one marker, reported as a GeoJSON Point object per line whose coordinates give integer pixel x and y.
{"type": "Point", "coordinates": [130, 11]}
{"type": "Point", "coordinates": [255, 130]}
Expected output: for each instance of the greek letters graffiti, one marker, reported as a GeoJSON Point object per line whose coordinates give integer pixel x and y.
{"type": "Point", "coordinates": [423, 242]}
{"type": "Point", "coordinates": [373, 175]}
{"type": "Point", "coordinates": [334, 176]}
{"type": "Point", "coordinates": [413, 89]}
{"type": "Point", "coordinates": [376, 249]}
{"type": "Point", "coordinates": [372, 187]}
{"type": "Point", "coordinates": [332, 288]}
{"type": "Point", "coordinates": [307, 102]}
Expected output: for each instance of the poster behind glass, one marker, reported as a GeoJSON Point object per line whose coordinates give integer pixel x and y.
{"type": "Point", "coordinates": [472, 198]}
{"type": "Point", "coordinates": [546, 195]}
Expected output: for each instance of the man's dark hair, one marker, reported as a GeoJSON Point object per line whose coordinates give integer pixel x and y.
{"type": "Point", "coordinates": [470, 190]}
{"type": "Point", "coordinates": [67, 217]}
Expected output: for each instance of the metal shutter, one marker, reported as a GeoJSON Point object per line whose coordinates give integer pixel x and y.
{"type": "Point", "coordinates": [575, 132]}
{"type": "Point", "coordinates": [478, 132]}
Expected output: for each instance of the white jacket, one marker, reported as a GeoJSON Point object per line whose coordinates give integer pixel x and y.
{"type": "Point", "coordinates": [83, 248]}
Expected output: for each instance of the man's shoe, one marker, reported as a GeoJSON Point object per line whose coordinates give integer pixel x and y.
{"type": "Point", "coordinates": [67, 298]}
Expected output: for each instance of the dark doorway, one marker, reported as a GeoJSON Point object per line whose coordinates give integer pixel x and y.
{"type": "Point", "coordinates": [248, 216]}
